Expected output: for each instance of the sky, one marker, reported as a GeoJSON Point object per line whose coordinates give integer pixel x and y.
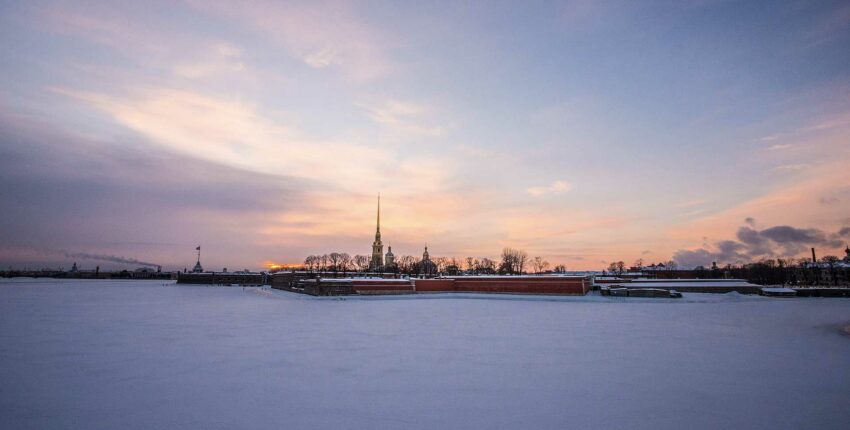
{"type": "Point", "coordinates": [584, 132]}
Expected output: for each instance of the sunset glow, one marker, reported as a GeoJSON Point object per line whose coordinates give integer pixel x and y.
{"type": "Point", "coordinates": [584, 132]}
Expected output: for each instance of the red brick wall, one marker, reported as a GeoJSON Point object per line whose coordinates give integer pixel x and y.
{"type": "Point", "coordinates": [524, 285]}
{"type": "Point", "coordinates": [382, 287]}
{"type": "Point", "coordinates": [517, 285]}
{"type": "Point", "coordinates": [434, 285]}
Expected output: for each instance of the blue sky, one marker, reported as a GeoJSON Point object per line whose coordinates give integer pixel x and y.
{"type": "Point", "coordinates": [585, 132]}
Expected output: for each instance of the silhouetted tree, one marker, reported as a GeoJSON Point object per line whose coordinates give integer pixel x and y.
{"type": "Point", "coordinates": [361, 262]}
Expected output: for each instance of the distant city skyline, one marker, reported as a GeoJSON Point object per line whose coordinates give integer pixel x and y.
{"type": "Point", "coordinates": [584, 132]}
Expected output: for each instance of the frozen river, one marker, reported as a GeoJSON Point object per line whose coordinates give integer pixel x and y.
{"type": "Point", "coordinates": [144, 355]}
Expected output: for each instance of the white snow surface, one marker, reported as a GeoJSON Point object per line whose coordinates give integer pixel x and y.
{"type": "Point", "coordinates": [152, 354]}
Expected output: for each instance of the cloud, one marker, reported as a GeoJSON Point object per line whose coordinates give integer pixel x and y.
{"type": "Point", "coordinates": [557, 187]}
{"type": "Point", "coordinates": [126, 197]}
{"type": "Point", "coordinates": [690, 203]}
{"type": "Point", "coordinates": [323, 35]}
{"type": "Point", "coordinates": [779, 146]}
{"type": "Point", "coordinates": [750, 221]}
{"type": "Point", "coordinates": [219, 59]}
{"type": "Point", "coordinates": [826, 201]}
{"type": "Point", "coordinates": [778, 241]}
{"type": "Point", "coordinates": [241, 135]}
{"type": "Point", "coordinates": [687, 258]}
{"type": "Point", "coordinates": [406, 118]}
{"type": "Point", "coordinates": [786, 234]}
{"type": "Point", "coordinates": [792, 167]}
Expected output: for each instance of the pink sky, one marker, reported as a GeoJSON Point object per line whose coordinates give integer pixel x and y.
{"type": "Point", "coordinates": [583, 132]}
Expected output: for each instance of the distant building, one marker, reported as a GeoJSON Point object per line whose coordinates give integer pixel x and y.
{"type": "Point", "coordinates": [198, 268]}
{"type": "Point", "coordinates": [377, 260]}
{"type": "Point", "coordinates": [426, 266]}
{"type": "Point", "coordinates": [389, 259]}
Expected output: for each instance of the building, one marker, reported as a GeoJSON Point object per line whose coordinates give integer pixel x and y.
{"type": "Point", "coordinates": [426, 266]}
{"type": "Point", "coordinates": [389, 259]}
{"type": "Point", "coordinates": [198, 268]}
{"type": "Point", "coordinates": [377, 260]}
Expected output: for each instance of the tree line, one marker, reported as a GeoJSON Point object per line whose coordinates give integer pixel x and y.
{"type": "Point", "coordinates": [512, 262]}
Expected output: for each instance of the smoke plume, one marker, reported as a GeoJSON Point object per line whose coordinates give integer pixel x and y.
{"type": "Point", "coordinates": [110, 258]}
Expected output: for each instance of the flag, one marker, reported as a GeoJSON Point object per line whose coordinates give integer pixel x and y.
{"type": "Point", "coordinates": [198, 248]}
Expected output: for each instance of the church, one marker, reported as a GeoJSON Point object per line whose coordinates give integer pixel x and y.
{"type": "Point", "coordinates": [378, 261]}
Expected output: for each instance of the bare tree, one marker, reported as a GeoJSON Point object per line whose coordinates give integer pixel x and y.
{"type": "Point", "coordinates": [617, 267]}
{"type": "Point", "coordinates": [361, 262]}
{"type": "Point", "coordinates": [441, 263]}
{"type": "Point", "coordinates": [470, 264]}
{"type": "Point", "coordinates": [521, 260]}
{"type": "Point", "coordinates": [310, 262]}
{"type": "Point", "coordinates": [486, 266]}
{"type": "Point", "coordinates": [513, 261]}
{"type": "Point", "coordinates": [539, 264]}
{"type": "Point", "coordinates": [333, 260]}
{"type": "Point", "coordinates": [344, 262]}
{"type": "Point", "coordinates": [405, 263]}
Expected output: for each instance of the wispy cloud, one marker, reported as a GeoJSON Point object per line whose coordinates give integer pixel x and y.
{"type": "Point", "coordinates": [792, 167]}
{"type": "Point", "coordinates": [690, 203]}
{"type": "Point", "coordinates": [219, 58]}
{"type": "Point", "coordinates": [404, 117]}
{"type": "Point", "coordinates": [323, 35]}
{"type": "Point", "coordinates": [557, 187]}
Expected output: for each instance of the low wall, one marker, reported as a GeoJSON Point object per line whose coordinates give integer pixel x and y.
{"type": "Point", "coordinates": [222, 278]}
{"type": "Point", "coordinates": [720, 286]}
{"type": "Point", "coordinates": [506, 285]}
{"type": "Point", "coordinates": [572, 285]}
{"type": "Point", "coordinates": [367, 286]}
{"type": "Point", "coordinates": [434, 285]}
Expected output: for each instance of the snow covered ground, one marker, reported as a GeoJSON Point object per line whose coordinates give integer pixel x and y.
{"type": "Point", "coordinates": [143, 355]}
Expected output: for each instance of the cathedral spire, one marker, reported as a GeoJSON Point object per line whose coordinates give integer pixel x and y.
{"type": "Point", "coordinates": [377, 247]}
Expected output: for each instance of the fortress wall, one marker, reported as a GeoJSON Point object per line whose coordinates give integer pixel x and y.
{"type": "Point", "coordinates": [524, 285]}
{"type": "Point", "coordinates": [382, 287]}
{"type": "Point", "coordinates": [434, 285]}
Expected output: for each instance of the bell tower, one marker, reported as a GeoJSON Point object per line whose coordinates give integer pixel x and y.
{"type": "Point", "coordinates": [377, 260]}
